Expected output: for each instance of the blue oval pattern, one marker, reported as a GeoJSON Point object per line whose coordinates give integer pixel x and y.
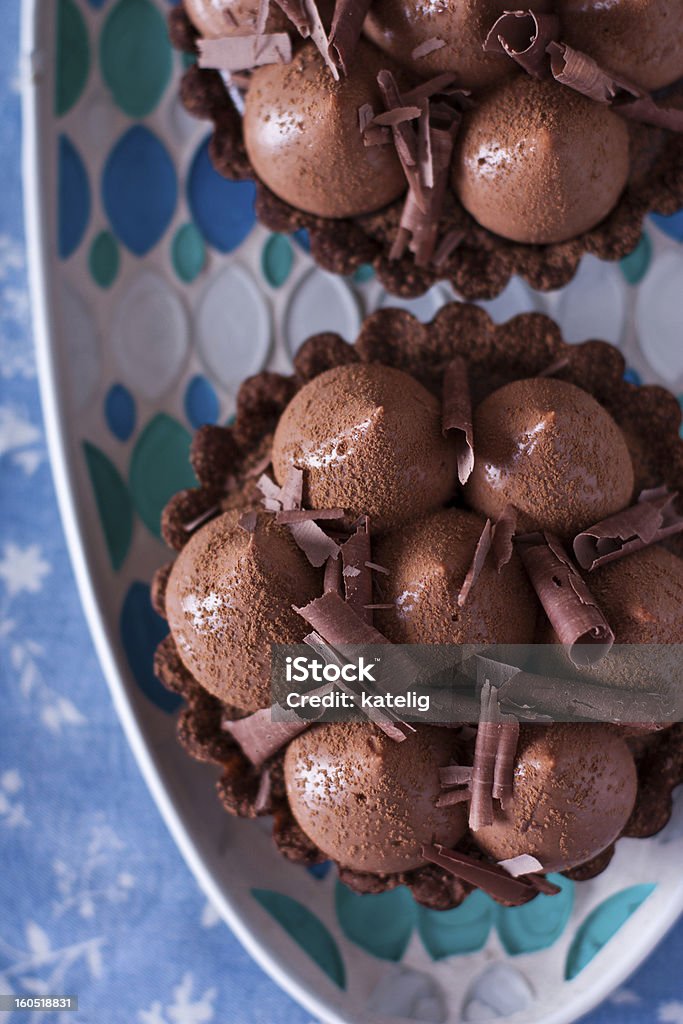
{"type": "Point", "coordinates": [223, 210]}
{"type": "Point", "coordinates": [119, 411]}
{"type": "Point", "coordinates": [141, 631]}
{"type": "Point", "coordinates": [201, 402]}
{"type": "Point", "coordinates": [73, 198]}
{"type": "Point", "coordinates": [139, 189]}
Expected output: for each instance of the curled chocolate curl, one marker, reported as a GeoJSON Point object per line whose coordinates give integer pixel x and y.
{"type": "Point", "coordinates": [347, 23]}
{"type": "Point", "coordinates": [285, 501]}
{"type": "Point", "coordinates": [456, 415]}
{"type": "Point", "coordinates": [240, 52]}
{"type": "Point", "coordinates": [524, 36]}
{"type": "Point", "coordinates": [566, 599]}
{"type": "Point", "coordinates": [403, 133]}
{"type": "Point", "coordinates": [490, 878]}
{"type": "Point", "coordinates": [355, 553]}
{"type": "Point", "coordinates": [305, 16]}
{"type": "Point", "coordinates": [580, 72]}
{"type": "Point", "coordinates": [338, 623]}
{"type": "Point", "coordinates": [503, 535]}
{"type": "Point", "coordinates": [650, 520]}
{"type": "Point", "coordinates": [494, 755]}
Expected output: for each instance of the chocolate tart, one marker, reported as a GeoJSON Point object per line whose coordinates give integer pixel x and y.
{"type": "Point", "coordinates": [483, 262]}
{"type": "Point", "coordinates": [228, 460]}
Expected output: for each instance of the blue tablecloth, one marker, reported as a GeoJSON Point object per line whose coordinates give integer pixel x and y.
{"type": "Point", "coordinates": [94, 898]}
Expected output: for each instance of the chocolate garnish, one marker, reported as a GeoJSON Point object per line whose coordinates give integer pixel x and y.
{"type": "Point", "coordinates": [455, 775]}
{"type": "Point", "coordinates": [377, 568]}
{"type": "Point", "coordinates": [440, 85]}
{"type": "Point", "coordinates": [265, 786]}
{"type": "Point", "coordinates": [557, 364]}
{"type": "Point", "coordinates": [483, 767]}
{"type": "Point", "coordinates": [578, 621]}
{"type": "Point", "coordinates": [448, 244]}
{"type": "Point", "coordinates": [305, 16]}
{"type": "Point", "coordinates": [260, 737]}
{"type": "Point", "coordinates": [333, 576]}
{"type": "Point", "coordinates": [524, 36]}
{"type": "Point", "coordinates": [580, 72]}
{"type": "Point", "coordinates": [373, 135]}
{"type": "Point", "coordinates": [503, 534]}
{"type": "Point", "coordinates": [503, 774]}
{"type": "Point", "coordinates": [524, 864]}
{"type": "Point", "coordinates": [651, 519]}
{"type": "Point", "coordinates": [296, 12]}
{"type": "Point", "coordinates": [314, 542]}
{"type": "Point", "coordinates": [396, 116]}
{"type": "Point", "coordinates": [357, 577]}
{"type": "Point", "coordinates": [453, 796]}
{"type": "Point", "coordinates": [403, 134]}
{"type": "Point", "coordinates": [262, 16]}
{"type": "Point", "coordinates": [239, 52]}
{"type": "Point", "coordinates": [489, 878]}
{"type": "Point", "coordinates": [347, 23]}
{"type": "Point", "coordinates": [202, 518]}
{"type": "Point", "coordinates": [291, 493]}
{"type": "Point", "coordinates": [247, 521]}
{"type": "Point", "coordinates": [338, 623]}
{"type": "Point", "coordinates": [456, 415]}
{"type": "Point", "coordinates": [427, 47]}
{"type": "Point", "coordinates": [303, 515]}
{"type": "Point", "coordinates": [478, 559]}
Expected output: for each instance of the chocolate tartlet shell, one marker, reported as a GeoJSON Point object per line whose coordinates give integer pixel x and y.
{"type": "Point", "coordinates": [228, 460]}
{"type": "Point", "coordinates": [482, 264]}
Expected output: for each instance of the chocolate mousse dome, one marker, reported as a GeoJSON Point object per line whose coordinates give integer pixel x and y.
{"type": "Point", "coordinates": [642, 40]}
{"type": "Point", "coordinates": [551, 450]}
{"type": "Point", "coordinates": [537, 162]}
{"type": "Point", "coordinates": [402, 27]}
{"type": "Point", "coordinates": [574, 788]}
{"type": "Point", "coordinates": [368, 439]}
{"type": "Point", "coordinates": [368, 802]}
{"type": "Point", "coordinates": [302, 135]}
{"type": "Point", "coordinates": [426, 566]}
{"type": "Point", "coordinates": [230, 596]}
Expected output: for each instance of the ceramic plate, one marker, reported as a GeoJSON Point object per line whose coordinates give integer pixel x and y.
{"type": "Point", "coordinates": [155, 294]}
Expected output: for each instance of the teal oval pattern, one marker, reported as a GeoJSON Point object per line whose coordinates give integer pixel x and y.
{"type": "Point", "coordinates": [634, 267]}
{"type": "Point", "coordinates": [364, 273]}
{"type": "Point", "coordinates": [277, 259]}
{"type": "Point", "coordinates": [188, 253]}
{"type": "Point", "coordinates": [114, 506]}
{"type": "Point", "coordinates": [104, 259]}
{"type": "Point", "coordinates": [159, 467]}
{"type": "Point", "coordinates": [601, 924]}
{"type": "Point", "coordinates": [381, 924]}
{"type": "Point", "coordinates": [72, 56]}
{"type": "Point", "coordinates": [538, 924]}
{"type": "Point", "coordinates": [141, 631]}
{"type": "Point", "coordinates": [139, 189]}
{"type": "Point", "coordinates": [73, 198]}
{"type": "Point", "coordinates": [464, 929]}
{"type": "Point", "coordinates": [307, 930]}
{"type": "Point", "coordinates": [135, 56]}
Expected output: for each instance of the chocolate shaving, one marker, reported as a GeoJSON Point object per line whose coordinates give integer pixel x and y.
{"type": "Point", "coordinates": [524, 864]}
{"type": "Point", "coordinates": [440, 85]}
{"type": "Point", "coordinates": [503, 775]}
{"type": "Point", "coordinates": [456, 415]}
{"type": "Point", "coordinates": [262, 16]}
{"type": "Point", "coordinates": [296, 12]}
{"type": "Point", "coordinates": [478, 559]}
{"type": "Point", "coordinates": [291, 493]}
{"type": "Point", "coordinates": [333, 581]}
{"type": "Point", "coordinates": [377, 568]}
{"type": "Point", "coordinates": [452, 797]}
{"type": "Point", "coordinates": [260, 737]}
{"type": "Point", "coordinates": [240, 52]}
{"type": "Point", "coordinates": [305, 16]}
{"type": "Point", "coordinates": [448, 244]}
{"type": "Point", "coordinates": [347, 24]}
{"type": "Point", "coordinates": [373, 135]}
{"type": "Point", "coordinates": [403, 133]}
{"type": "Point", "coordinates": [204, 517]}
{"type": "Point", "coordinates": [303, 515]}
{"type": "Point", "coordinates": [396, 116]}
{"type": "Point", "coordinates": [357, 577]}
{"type": "Point", "coordinates": [558, 364]}
{"type": "Point", "coordinates": [262, 801]}
{"type": "Point", "coordinates": [427, 47]}
{"type": "Point", "coordinates": [524, 36]}
{"type": "Point", "coordinates": [483, 768]}
{"type": "Point", "coordinates": [490, 878]}
{"type": "Point", "coordinates": [566, 599]}
{"type": "Point", "coordinates": [650, 520]}
{"type": "Point", "coordinates": [580, 72]}
{"type": "Point", "coordinates": [247, 521]}
{"type": "Point", "coordinates": [455, 775]}
{"type": "Point", "coordinates": [503, 534]}
{"type": "Point", "coordinates": [314, 542]}
{"type": "Point", "coordinates": [337, 622]}
{"type": "Point", "coordinates": [543, 885]}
